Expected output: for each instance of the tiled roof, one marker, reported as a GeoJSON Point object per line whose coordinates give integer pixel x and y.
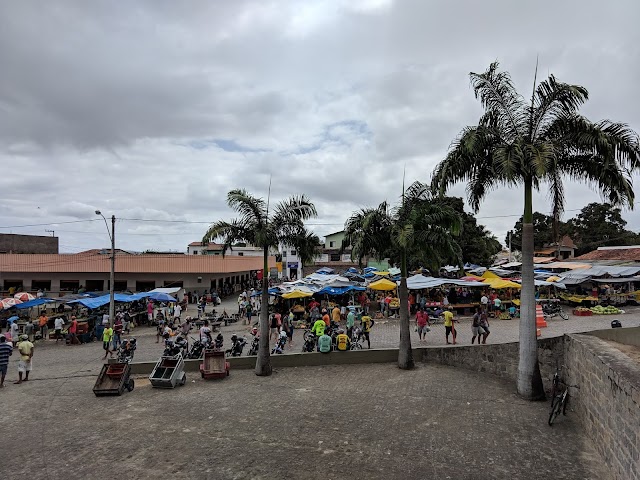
{"type": "Point", "coordinates": [72, 263]}
{"type": "Point", "coordinates": [632, 253]}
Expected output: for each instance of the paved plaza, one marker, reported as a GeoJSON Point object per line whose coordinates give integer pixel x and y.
{"type": "Point", "coordinates": [355, 421]}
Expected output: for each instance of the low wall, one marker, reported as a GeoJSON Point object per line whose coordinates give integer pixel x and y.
{"type": "Point", "coordinates": [607, 402]}
{"type": "Point", "coordinates": [628, 336]}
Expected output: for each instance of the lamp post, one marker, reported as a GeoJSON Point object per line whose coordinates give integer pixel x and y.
{"type": "Point", "coordinates": [112, 236]}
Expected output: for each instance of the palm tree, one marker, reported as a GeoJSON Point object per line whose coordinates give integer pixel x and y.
{"type": "Point", "coordinates": [257, 226]}
{"type": "Point", "coordinates": [418, 226]}
{"type": "Point", "coordinates": [526, 144]}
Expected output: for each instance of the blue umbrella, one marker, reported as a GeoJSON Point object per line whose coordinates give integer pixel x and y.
{"type": "Point", "coordinates": [12, 319]}
{"type": "Point", "coordinates": [161, 297]}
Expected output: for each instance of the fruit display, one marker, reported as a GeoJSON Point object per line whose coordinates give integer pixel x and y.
{"type": "Point", "coordinates": [610, 310]}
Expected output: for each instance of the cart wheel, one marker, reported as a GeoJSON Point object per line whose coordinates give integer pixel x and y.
{"type": "Point", "coordinates": [184, 379]}
{"type": "Point", "coordinates": [130, 385]}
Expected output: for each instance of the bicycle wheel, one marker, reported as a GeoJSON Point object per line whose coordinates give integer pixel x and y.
{"type": "Point", "coordinates": [563, 315]}
{"type": "Point", "coordinates": [555, 409]}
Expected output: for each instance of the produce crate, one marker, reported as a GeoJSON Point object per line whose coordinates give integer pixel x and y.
{"type": "Point", "coordinates": [582, 313]}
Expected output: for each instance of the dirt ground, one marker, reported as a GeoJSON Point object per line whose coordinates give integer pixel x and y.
{"type": "Point", "coordinates": [629, 350]}
{"type": "Point", "coordinates": [356, 422]}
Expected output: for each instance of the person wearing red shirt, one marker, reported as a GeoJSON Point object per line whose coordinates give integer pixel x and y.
{"type": "Point", "coordinates": [325, 318]}
{"type": "Point", "coordinates": [73, 328]}
{"type": "Point", "coordinates": [422, 321]}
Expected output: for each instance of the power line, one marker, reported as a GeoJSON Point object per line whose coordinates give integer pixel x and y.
{"type": "Point", "coordinates": [50, 223]}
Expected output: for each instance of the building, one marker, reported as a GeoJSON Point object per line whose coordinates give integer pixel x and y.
{"type": "Point", "coordinates": [331, 256]}
{"type": "Point", "coordinates": [619, 254]}
{"type": "Point", "coordinates": [11, 243]}
{"type": "Point", "coordinates": [65, 273]}
{"type": "Point", "coordinates": [562, 250]}
{"type": "Point", "coordinates": [198, 248]}
{"type": "Point", "coordinates": [291, 263]}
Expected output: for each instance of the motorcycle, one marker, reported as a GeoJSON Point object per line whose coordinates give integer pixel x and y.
{"type": "Point", "coordinates": [309, 344]}
{"type": "Point", "coordinates": [197, 347]}
{"type": "Point", "coordinates": [173, 348]}
{"type": "Point", "coordinates": [282, 342]}
{"type": "Point", "coordinates": [237, 345]}
{"type": "Point", "coordinates": [552, 309]}
{"type": "Point", "coordinates": [356, 338]}
{"type": "Point", "coordinates": [255, 343]}
{"type": "Point", "coordinates": [126, 350]}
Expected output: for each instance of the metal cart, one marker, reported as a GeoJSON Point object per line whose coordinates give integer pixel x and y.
{"type": "Point", "coordinates": [168, 372]}
{"type": "Point", "coordinates": [113, 379]}
{"type": "Point", "coordinates": [214, 364]}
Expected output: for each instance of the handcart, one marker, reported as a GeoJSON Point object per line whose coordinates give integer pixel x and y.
{"type": "Point", "coordinates": [214, 364]}
{"type": "Point", "coordinates": [113, 379]}
{"type": "Point", "coordinates": [168, 372]}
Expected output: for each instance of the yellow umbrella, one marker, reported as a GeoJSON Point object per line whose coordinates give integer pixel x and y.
{"type": "Point", "coordinates": [499, 283]}
{"type": "Point", "coordinates": [383, 284]}
{"type": "Point", "coordinates": [489, 274]}
{"type": "Point", "coordinates": [553, 279]}
{"type": "Point", "coordinates": [296, 294]}
{"type": "Point", "coordinates": [382, 274]}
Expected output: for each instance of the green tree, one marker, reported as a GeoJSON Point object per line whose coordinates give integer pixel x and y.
{"type": "Point", "coordinates": [525, 144]}
{"type": "Point", "coordinates": [257, 226]}
{"type": "Point", "coordinates": [477, 244]}
{"type": "Point", "coordinates": [543, 231]}
{"type": "Point", "coordinates": [600, 225]}
{"type": "Point", "coordinates": [417, 226]}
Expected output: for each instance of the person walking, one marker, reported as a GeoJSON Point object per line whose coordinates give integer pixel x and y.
{"type": "Point", "coordinates": [335, 314]}
{"type": "Point", "coordinates": [475, 327]}
{"type": "Point", "coordinates": [26, 348]}
{"type": "Point", "coordinates": [58, 326]}
{"type": "Point", "coordinates": [288, 325]}
{"type": "Point", "coordinates": [6, 349]}
{"type": "Point", "coordinates": [484, 324]}
{"type": "Point", "coordinates": [177, 312]}
{"type": "Point", "coordinates": [29, 330]}
{"type": "Point", "coordinates": [275, 322]}
{"type": "Point", "coordinates": [107, 336]}
{"type": "Point", "coordinates": [484, 301]}
{"type": "Point", "coordinates": [422, 321]}
{"type": "Point", "coordinates": [325, 317]}
{"type": "Point", "coordinates": [366, 323]}
{"type": "Point", "coordinates": [117, 332]}
{"type": "Point", "coordinates": [249, 310]}
{"type": "Point", "coordinates": [15, 332]}
{"type": "Point", "coordinates": [150, 311]}
{"type": "Point", "coordinates": [448, 325]}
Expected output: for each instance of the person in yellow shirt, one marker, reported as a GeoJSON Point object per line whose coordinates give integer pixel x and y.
{"type": "Point", "coordinates": [335, 314]}
{"type": "Point", "coordinates": [448, 325]}
{"type": "Point", "coordinates": [25, 347]}
{"type": "Point", "coordinates": [342, 341]}
{"type": "Point", "coordinates": [107, 335]}
{"type": "Point", "coordinates": [366, 323]}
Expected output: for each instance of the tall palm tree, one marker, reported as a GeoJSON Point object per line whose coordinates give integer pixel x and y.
{"type": "Point", "coordinates": [519, 143]}
{"type": "Point", "coordinates": [261, 228]}
{"type": "Point", "coordinates": [417, 226]}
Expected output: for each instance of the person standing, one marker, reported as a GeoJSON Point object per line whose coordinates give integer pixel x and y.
{"type": "Point", "coordinates": [150, 311]}
{"type": "Point", "coordinates": [325, 317]}
{"type": "Point", "coordinates": [422, 320]}
{"type": "Point", "coordinates": [73, 328]}
{"type": "Point", "coordinates": [117, 332]}
{"type": "Point", "coordinates": [475, 326]}
{"type": "Point", "coordinates": [484, 301]}
{"type": "Point", "coordinates": [25, 347]}
{"type": "Point", "coordinates": [351, 320]}
{"type": "Point", "coordinates": [335, 314]}
{"type": "Point", "coordinates": [29, 330]}
{"type": "Point", "coordinates": [275, 321]}
{"type": "Point", "coordinates": [288, 323]}
{"type": "Point", "coordinates": [107, 336]}
{"type": "Point", "coordinates": [42, 323]}
{"type": "Point", "coordinates": [249, 309]}
{"type": "Point", "coordinates": [177, 312]}
{"type": "Point", "coordinates": [484, 324]}
{"type": "Point", "coordinates": [6, 349]}
{"type": "Point", "coordinates": [15, 332]}
{"type": "Point", "coordinates": [497, 305]}
{"type": "Point", "coordinates": [58, 326]}
{"type": "Point", "coordinates": [448, 325]}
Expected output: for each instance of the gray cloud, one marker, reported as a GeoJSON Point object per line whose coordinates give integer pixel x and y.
{"type": "Point", "coordinates": [157, 110]}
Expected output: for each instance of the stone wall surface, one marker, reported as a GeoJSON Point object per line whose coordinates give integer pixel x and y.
{"type": "Point", "coordinates": [14, 243]}
{"type": "Point", "coordinates": [607, 401]}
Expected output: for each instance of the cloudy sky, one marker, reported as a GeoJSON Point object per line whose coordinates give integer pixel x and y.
{"type": "Point", "coordinates": [156, 110]}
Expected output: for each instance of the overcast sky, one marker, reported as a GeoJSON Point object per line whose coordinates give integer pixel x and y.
{"type": "Point", "coordinates": [154, 110]}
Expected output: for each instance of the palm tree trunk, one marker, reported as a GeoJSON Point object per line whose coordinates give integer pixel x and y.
{"type": "Point", "coordinates": [529, 379]}
{"type": "Point", "coordinates": [263, 362]}
{"type": "Point", "coordinates": [405, 354]}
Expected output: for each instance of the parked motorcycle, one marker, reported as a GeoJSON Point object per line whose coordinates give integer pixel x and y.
{"type": "Point", "coordinates": [237, 345]}
{"type": "Point", "coordinates": [552, 309]}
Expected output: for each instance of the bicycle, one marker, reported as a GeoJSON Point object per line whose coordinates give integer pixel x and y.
{"type": "Point", "coordinates": [559, 397]}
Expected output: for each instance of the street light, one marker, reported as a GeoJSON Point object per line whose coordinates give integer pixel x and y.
{"type": "Point", "coordinates": [112, 236]}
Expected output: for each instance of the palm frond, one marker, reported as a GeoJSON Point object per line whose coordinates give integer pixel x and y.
{"type": "Point", "coordinates": [253, 210]}
{"type": "Point", "coordinates": [230, 233]}
{"type": "Point", "coordinates": [293, 210]}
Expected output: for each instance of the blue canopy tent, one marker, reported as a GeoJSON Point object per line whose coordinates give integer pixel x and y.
{"type": "Point", "coordinates": [34, 303]}
{"type": "Point", "coordinates": [98, 302]}
{"type": "Point", "coordinates": [340, 290]}
{"type": "Point", "coordinates": [158, 296]}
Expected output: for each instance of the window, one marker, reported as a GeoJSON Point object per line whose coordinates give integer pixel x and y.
{"type": "Point", "coordinates": [241, 254]}
{"type": "Point", "coordinates": [293, 253]}
{"type": "Point", "coordinates": [284, 254]}
{"type": "Point", "coordinates": [332, 244]}
{"type": "Point", "coordinates": [335, 257]}
{"type": "Point", "coordinates": [195, 252]}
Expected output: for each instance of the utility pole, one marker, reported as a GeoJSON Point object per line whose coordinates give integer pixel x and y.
{"type": "Point", "coordinates": [509, 246]}
{"type": "Point", "coordinates": [112, 275]}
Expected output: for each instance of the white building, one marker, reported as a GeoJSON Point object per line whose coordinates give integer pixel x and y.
{"type": "Point", "coordinates": [291, 263]}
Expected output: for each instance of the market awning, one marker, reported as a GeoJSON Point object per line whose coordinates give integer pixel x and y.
{"type": "Point", "coordinates": [382, 285]}
{"type": "Point", "coordinates": [34, 303]}
{"type": "Point", "coordinates": [296, 294]}
{"type": "Point", "coordinates": [500, 283]}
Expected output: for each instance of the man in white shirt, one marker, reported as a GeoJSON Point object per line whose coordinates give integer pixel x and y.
{"type": "Point", "coordinates": [485, 302]}
{"type": "Point", "coordinates": [58, 325]}
{"type": "Point", "coordinates": [177, 311]}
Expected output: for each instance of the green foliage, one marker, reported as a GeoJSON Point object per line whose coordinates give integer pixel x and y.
{"type": "Point", "coordinates": [476, 243]}
{"type": "Point", "coordinates": [419, 228]}
{"type": "Point", "coordinates": [542, 231]}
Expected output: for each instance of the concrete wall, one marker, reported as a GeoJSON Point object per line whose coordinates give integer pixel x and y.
{"type": "Point", "coordinates": [627, 336]}
{"type": "Point", "coordinates": [607, 402]}
{"type": "Point", "coordinates": [12, 243]}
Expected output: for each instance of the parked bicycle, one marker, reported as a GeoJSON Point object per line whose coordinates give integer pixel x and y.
{"type": "Point", "coordinates": [559, 397]}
